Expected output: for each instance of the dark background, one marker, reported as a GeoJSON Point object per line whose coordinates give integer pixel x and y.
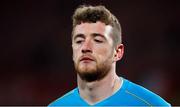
{"type": "Point", "coordinates": [36, 64]}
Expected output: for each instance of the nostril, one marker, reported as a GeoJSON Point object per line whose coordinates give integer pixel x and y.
{"type": "Point", "coordinates": [86, 50]}
{"type": "Point", "coordinates": [86, 47]}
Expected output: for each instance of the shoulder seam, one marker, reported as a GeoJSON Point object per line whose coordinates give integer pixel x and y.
{"type": "Point", "coordinates": [143, 100]}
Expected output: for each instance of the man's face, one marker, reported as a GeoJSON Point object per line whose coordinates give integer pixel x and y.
{"type": "Point", "coordinates": [92, 50]}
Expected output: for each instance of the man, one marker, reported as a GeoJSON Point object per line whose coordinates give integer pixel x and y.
{"type": "Point", "coordinates": [97, 46]}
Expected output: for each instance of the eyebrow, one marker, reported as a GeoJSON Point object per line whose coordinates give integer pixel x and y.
{"type": "Point", "coordinates": [98, 34]}
{"type": "Point", "coordinates": [93, 35]}
{"type": "Point", "coordinates": [78, 35]}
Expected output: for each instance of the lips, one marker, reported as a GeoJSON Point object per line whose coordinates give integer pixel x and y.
{"type": "Point", "coordinates": [86, 58]}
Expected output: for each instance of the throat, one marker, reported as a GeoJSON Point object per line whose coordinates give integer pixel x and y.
{"type": "Point", "coordinates": [94, 92]}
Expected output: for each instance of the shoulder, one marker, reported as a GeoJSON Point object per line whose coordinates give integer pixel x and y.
{"type": "Point", "coordinates": [144, 95]}
{"type": "Point", "coordinates": [65, 99]}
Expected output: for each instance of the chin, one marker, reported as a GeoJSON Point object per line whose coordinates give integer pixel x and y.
{"type": "Point", "coordinates": [87, 69]}
{"type": "Point", "coordinates": [91, 72]}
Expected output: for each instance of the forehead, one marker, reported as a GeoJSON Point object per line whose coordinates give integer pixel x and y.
{"type": "Point", "coordinates": [90, 28]}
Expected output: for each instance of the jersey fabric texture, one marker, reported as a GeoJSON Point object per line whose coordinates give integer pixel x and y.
{"type": "Point", "coordinates": [130, 94]}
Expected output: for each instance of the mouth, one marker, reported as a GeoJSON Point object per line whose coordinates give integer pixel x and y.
{"type": "Point", "coordinates": [86, 59]}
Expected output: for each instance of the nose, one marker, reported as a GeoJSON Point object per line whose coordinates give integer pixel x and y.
{"type": "Point", "coordinates": [87, 47]}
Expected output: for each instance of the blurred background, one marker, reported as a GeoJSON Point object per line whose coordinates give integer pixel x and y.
{"type": "Point", "coordinates": [36, 64]}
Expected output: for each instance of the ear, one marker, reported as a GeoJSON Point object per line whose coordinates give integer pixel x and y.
{"type": "Point", "coordinates": [119, 51]}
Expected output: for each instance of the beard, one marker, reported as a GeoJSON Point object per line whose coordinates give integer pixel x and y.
{"type": "Point", "coordinates": [96, 73]}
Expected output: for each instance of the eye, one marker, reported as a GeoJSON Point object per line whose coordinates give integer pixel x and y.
{"type": "Point", "coordinates": [79, 40]}
{"type": "Point", "coordinates": [98, 41]}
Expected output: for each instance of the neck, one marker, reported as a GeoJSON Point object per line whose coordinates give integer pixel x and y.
{"type": "Point", "coordinates": [93, 92]}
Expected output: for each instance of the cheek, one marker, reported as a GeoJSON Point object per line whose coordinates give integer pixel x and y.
{"type": "Point", "coordinates": [103, 54]}
{"type": "Point", "coordinates": [75, 54]}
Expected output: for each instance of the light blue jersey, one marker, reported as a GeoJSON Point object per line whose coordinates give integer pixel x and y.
{"type": "Point", "coordinates": [130, 94]}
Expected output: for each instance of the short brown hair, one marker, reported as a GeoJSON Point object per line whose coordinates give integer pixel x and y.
{"type": "Point", "coordinates": [92, 14]}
